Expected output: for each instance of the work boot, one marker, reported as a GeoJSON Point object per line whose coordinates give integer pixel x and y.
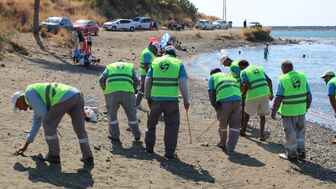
{"type": "Point", "coordinates": [221, 146]}
{"type": "Point", "coordinates": [242, 132]}
{"type": "Point", "coordinates": [171, 156]}
{"type": "Point", "coordinates": [52, 159]}
{"type": "Point", "coordinates": [115, 141]}
{"type": "Point", "coordinates": [88, 162]}
{"type": "Point", "coordinates": [149, 150]}
{"type": "Point", "coordinates": [302, 155]}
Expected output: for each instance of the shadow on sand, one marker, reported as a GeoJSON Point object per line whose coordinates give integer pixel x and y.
{"type": "Point", "coordinates": [315, 170]}
{"type": "Point", "coordinates": [176, 167]}
{"type": "Point", "coordinates": [53, 175]}
{"type": "Point", "coordinates": [64, 65]}
{"type": "Point", "coordinates": [245, 160]}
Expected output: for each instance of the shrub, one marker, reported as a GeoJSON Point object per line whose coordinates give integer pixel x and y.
{"type": "Point", "coordinates": [257, 34]}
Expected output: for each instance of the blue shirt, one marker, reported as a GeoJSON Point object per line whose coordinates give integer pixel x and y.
{"type": "Point", "coordinates": [280, 90]}
{"type": "Point", "coordinates": [148, 58]}
{"type": "Point", "coordinates": [331, 89]}
{"type": "Point", "coordinates": [211, 87]}
{"type": "Point", "coordinates": [40, 110]}
{"type": "Point", "coordinates": [181, 76]}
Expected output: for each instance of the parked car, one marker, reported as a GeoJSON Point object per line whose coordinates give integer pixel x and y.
{"type": "Point", "coordinates": [145, 23]}
{"type": "Point", "coordinates": [255, 25]}
{"type": "Point", "coordinates": [204, 25]}
{"type": "Point", "coordinates": [87, 26]}
{"type": "Point", "coordinates": [174, 25]}
{"type": "Point", "coordinates": [220, 24]}
{"type": "Point", "coordinates": [119, 24]}
{"type": "Point", "coordinates": [53, 24]}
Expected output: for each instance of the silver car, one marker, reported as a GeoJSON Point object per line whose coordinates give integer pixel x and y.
{"type": "Point", "coordinates": [204, 25]}
{"type": "Point", "coordinates": [220, 24]}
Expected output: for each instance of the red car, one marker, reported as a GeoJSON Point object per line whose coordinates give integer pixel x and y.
{"type": "Point", "coordinates": [87, 26]}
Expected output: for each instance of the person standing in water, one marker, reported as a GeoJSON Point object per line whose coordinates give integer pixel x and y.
{"type": "Point", "coordinates": [266, 51]}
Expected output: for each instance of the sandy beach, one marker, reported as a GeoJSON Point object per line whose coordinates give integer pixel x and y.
{"type": "Point", "coordinates": [202, 165]}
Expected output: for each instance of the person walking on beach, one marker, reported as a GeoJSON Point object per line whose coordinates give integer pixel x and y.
{"type": "Point", "coordinates": [225, 97]}
{"type": "Point", "coordinates": [50, 101]}
{"type": "Point", "coordinates": [245, 23]}
{"type": "Point", "coordinates": [266, 51]}
{"type": "Point", "coordinates": [292, 101]}
{"type": "Point", "coordinates": [119, 83]}
{"type": "Point", "coordinates": [146, 58]}
{"type": "Point", "coordinates": [165, 78]}
{"type": "Point", "coordinates": [257, 90]}
{"type": "Point", "coordinates": [330, 79]}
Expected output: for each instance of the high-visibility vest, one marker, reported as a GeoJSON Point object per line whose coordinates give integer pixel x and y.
{"type": "Point", "coordinates": [119, 78]}
{"type": "Point", "coordinates": [235, 66]}
{"type": "Point", "coordinates": [257, 83]}
{"type": "Point", "coordinates": [50, 93]}
{"type": "Point", "coordinates": [333, 81]}
{"type": "Point", "coordinates": [226, 86]}
{"type": "Point", "coordinates": [142, 60]}
{"type": "Point", "coordinates": [165, 76]}
{"type": "Point", "coordinates": [294, 101]}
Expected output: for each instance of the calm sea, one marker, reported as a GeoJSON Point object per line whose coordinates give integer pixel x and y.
{"type": "Point", "coordinates": [320, 56]}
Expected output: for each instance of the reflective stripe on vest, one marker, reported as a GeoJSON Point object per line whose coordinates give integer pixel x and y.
{"type": "Point", "coordinates": [257, 83]}
{"type": "Point", "coordinates": [226, 86]}
{"type": "Point", "coordinates": [165, 76]}
{"type": "Point", "coordinates": [50, 93]}
{"type": "Point", "coordinates": [120, 78]}
{"type": "Point", "coordinates": [294, 101]}
{"type": "Point", "coordinates": [142, 60]}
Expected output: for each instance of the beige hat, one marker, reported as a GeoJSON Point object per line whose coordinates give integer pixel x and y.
{"type": "Point", "coordinates": [328, 73]}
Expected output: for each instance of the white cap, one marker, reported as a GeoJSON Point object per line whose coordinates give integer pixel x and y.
{"type": "Point", "coordinates": [14, 99]}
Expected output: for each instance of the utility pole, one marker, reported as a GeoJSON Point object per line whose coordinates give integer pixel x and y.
{"type": "Point", "coordinates": [224, 10]}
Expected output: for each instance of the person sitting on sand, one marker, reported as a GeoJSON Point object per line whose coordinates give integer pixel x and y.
{"type": "Point", "coordinates": [330, 79]}
{"type": "Point", "coordinates": [50, 101]}
{"type": "Point", "coordinates": [292, 101]}
{"type": "Point", "coordinates": [225, 97]}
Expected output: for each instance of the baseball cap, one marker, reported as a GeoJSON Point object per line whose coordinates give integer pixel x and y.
{"type": "Point", "coordinates": [328, 73]}
{"type": "Point", "coordinates": [14, 99]}
{"type": "Point", "coordinates": [170, 49]}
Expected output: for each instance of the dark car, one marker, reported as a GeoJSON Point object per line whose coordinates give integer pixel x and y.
{"type": "Point", "coordinates": [174, 25]}
{"type": "Point", "coordinates": [53, 24]}
{"type": "Point", "coordinates": [87, 26]}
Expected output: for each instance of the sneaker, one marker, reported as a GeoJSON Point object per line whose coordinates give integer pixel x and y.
{"type": "Point", "coordinates": [262, 138]}
{"type": "Point", "coordinates": [221, 146]}
{"type": "Point", "coordinates": [150, 150]}
{"type": "Point", "coordinates": [52, 159]}
{"type": "Point", "coordinates": [88, 162]}
{"type": "Point", "coordinates": [302, 156]}
{"type": "Point", "coordinates": [286, 157]}
{"type": "Point", "coordinates": [171, 156]}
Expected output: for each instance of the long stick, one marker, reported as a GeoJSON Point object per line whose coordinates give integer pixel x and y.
{"type": "Point", "coordinates": [189, 128]}
{"type": "Point", "coordinates": [207, 129]}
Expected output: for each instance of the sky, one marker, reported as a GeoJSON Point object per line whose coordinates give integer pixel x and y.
{"type": "Point", "coordinates": [273, 12]}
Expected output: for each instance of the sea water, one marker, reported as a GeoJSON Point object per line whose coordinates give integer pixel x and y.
{"type": "Point", "coordinates": [320, 56]}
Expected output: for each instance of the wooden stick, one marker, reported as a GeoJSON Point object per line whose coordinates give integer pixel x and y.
{"type": "Point", "coordinates": [189, 128]}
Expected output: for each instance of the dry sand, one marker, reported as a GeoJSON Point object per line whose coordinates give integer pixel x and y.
{"type": "Point", "coordinates": [201, 165]}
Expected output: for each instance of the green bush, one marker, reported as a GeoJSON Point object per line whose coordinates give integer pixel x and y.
{"type": "Point", "coordinates": [257, 34]}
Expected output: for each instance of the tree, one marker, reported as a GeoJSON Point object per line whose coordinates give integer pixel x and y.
{"type": "Point", "coordinates": [36, 23]}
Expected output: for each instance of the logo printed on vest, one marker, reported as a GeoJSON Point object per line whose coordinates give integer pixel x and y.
{"type": "Point", "coordinates": [296, 83]}
{"type": "Point", "coordinates": [256, 71]}
{"type": "Point", "coordinates": [120, 66]}
{"type": "Point", "coordinates": [164, 66]}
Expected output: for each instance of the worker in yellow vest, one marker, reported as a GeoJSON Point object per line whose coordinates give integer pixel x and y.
{"type": "Point", "coordinates": [257, 91]}
{"type": "Point", "coordinates": [225, 97]}
{"type": "Point", "coordinates": [146, 58]}
{"type": "Point", "coordinates": [119, 84]}
{"type": "Point", "coordinates": [292, 101]}
{"type": "Point", "coordinates": [330, 79]}
{"type": "Point", "coordinates": [166, 77]}
{"type": "Point", "coordinates": [50, 101]}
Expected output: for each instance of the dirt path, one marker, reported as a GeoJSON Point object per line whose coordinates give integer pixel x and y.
{"type": "Point", "coordinates": [202, 165]}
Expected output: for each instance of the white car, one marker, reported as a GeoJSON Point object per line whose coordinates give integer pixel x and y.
{"type": "Point", "coordinates": [204, 25]}
{"type": "Point", "coordinates": [144, 23]}
{"type": "Point", "coordinates": [119, 24]}
{"type": "Point", "coordinates": [221, 24]}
